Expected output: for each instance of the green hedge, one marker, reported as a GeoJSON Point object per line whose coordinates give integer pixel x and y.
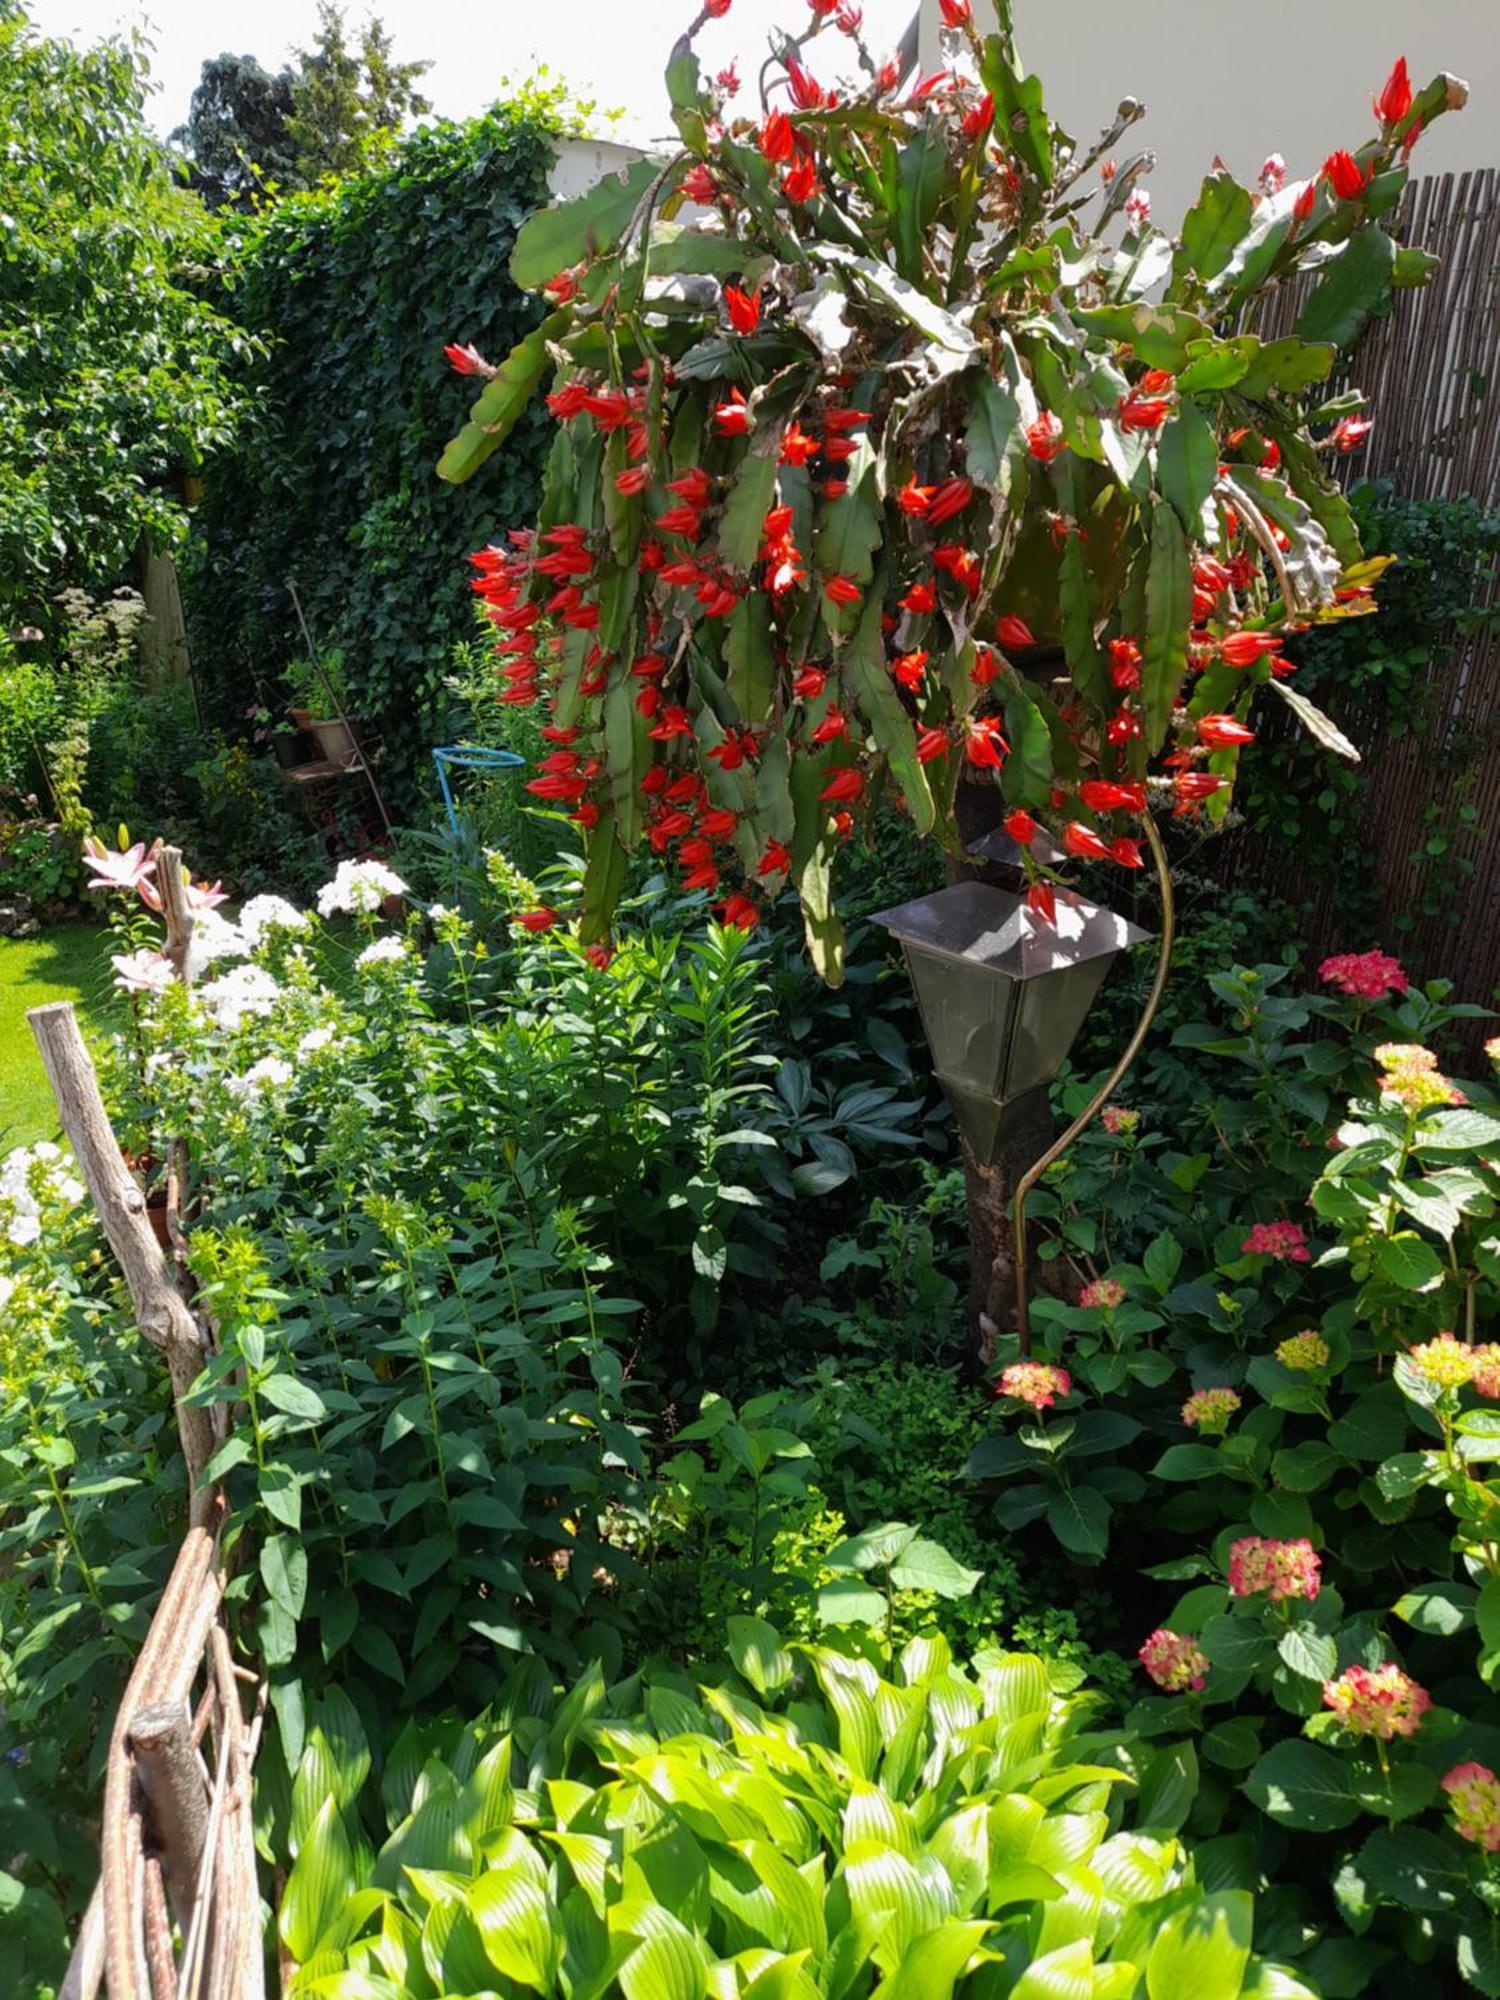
{"type": "Point", "coordinates": [355, 289]}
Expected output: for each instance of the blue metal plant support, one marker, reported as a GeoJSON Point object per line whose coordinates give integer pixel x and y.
{"type": "Point", "coordinates": [468, 757]}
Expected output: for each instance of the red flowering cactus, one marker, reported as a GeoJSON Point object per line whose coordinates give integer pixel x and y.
{"type": "Point", "coordinates": [897, 448]}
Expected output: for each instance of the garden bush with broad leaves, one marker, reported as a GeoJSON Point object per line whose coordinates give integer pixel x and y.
{"type": "Point", "coordinates": [1270, 1402]}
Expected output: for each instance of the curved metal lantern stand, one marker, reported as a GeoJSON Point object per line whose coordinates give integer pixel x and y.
{"type": "Point", "coordinates": [466, 757]}
{"type": "Point", "coordinates": [1105, 1091]}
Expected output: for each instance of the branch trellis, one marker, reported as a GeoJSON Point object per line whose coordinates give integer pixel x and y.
{"type": "Point", "coordinates": [176, 1913]}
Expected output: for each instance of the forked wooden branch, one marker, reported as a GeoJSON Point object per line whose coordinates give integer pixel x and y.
{"type": "Point", "coordinates": [160, 1310]}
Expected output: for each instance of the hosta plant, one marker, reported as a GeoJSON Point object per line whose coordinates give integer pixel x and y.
{"type": "Point", "coordinates": [896, 446]}
{"type": "Point", "coordinates": [807, 1821]}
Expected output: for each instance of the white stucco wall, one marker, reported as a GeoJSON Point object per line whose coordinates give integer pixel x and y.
{"type": "Point", "coordinates": [1242, 78]}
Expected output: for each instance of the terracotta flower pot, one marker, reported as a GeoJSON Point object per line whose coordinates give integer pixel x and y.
{"type": "Point", "coordinates": [335, 740]}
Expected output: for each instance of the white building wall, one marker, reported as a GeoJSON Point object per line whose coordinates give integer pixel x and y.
{"type": "Point", "coordinates": [1242, 78]}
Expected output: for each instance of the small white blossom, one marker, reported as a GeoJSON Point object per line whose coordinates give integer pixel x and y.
{"type": "Point", "coordinates": [233, 998]}
{"type": "Point", "coordinates": [384, 951]}
{"type": "Point", "coordinates": [359, 886]}
{"type": "Point", "coordinates": [213, 937]}
{"type": "Point", "coordinates": [1138, 208]}
{"type": "Point", "coordinates": [264, 914]}
{"type": "Point", "coordinates": [440, 912]}
{"type": "Point", "coordinates": [30, 1177]}
{"type": "Point", "coordinates": [141, 971]}
{"type": "Point", "coordinates": [270, 1073]}
{"type": "Point", "coordinates": [314, 1040]}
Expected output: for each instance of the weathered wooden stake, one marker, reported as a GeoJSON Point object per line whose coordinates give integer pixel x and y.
{"type": "Point", "coordinates": [171, 1777]}
{"type": "Point", "coordinates": [160, 1310]}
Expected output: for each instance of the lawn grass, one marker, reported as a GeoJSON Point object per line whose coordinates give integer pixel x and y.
{"type": "Point", "coordinates": [67, 963]}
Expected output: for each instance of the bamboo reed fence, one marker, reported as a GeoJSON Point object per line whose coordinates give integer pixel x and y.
{"type": "Point", "coordinates": [1432, 373]}
{"type": "Point", "coordinates": [176, 1914]}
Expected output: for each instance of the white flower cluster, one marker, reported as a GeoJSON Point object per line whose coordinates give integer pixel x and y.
{"type": "Point", "coordinates": [270, 1073]}
{"type": "Point", "coordinates": [315, 1040]}
{"type": "Point", "coordinates": [360, 887]}
{"type": "Point", "coordinates": [30, 1177]}
{"type": "Point", "coordinates": [235, 996]}
{"type": "Point", "coordinates": [214, 937]}
{"type": "Point", "coordinates": [384, 951]}
{"type": "Point", "coordinates": [264, 914]}
{"type": "Point", "coordinates": [141, 971]}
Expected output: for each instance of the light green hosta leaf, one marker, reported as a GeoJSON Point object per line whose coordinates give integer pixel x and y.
{"type": "Point", "coordinates": [321, 1881]}
{"type": "Point", "coordinates": [669, 1963]}
{"type": "Point", "coordinates": [1203, 1950]}
{"type": "Point", "coordinates": [514, 1917]}
{"type": "Point", "coordinates": [894, 1900]}
{"type": "Point", "coordinates": [1065, 1974]}
{"type": "Point", "coordinates": [758, 1654]}
{"type": "Point", "coordinates": [930, 1968]}
{"type": "Point", "coordinates": [1299, 1785]}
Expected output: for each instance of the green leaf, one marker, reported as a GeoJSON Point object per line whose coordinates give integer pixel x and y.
{"type": "Point", "coordinates": [1317, 724]}
{"type": "Point", "coordinates": [292, 1398]}
{"type": "Point", "coordinates": [742, 527]}
{"type": "Point", "coordinates": [751, 659]}
{"type": "Point", "coordinates": [813, 853]}
{"type": "Point", "coordinates": [850, 531]}
{"type": "Point", "coordinates": [1169, 598]}
{"type": "Point", "coordinates": [1439, 1608]}
{"type": "Point", "coordinates": [1064, 1974]}
{"type": "Point", "coordinates": [1187, 465]}
{"type": "Point", "coordinates": [1354, 285]}
{"type": "Point", "coordinates": [574, 231]}
{"type": "Point", "coordinates": [1308, 1652]}
{"type": "Point", "coordinates": [603, 879]}
{"type": "Point", "coordinates": [1299, 1785]}
{"type": "Point", "coordinates": [321, 1880]}
{"type": "Point", "coordinates": [1079, 1517]}
{"type": "Point", "coordinates": [1372, 1429]}
{"type": "Point", "coordinates": [1203, 1950]}
{"type": "Point", "coordinates": [1213, 229]}
{"type": "Point", "coordinates": [500, 403]}
{"type": "Point", "coordinates": [1169, 1785]}
{"type": "Point", "coordinates": [1466, 1130]}
{"type": "Point", "coordinates": [873, 688]}
{"type": "Point", "coordinates": [921, 172]}
{"type": "Point", "coordinates": [924, 1565]}
{"type": "Point", "coordinates": [1408, 1261]}
{"type": "Point", "coordinates": [1415, 1869]}
{"type": "Point", "coordinates": [1079, 625]}
{"type": "Point", "coordinates": [995, 441]}
{"type": "Point", "coordinates": [510, 1906]}
{"type": "Point", "coordinates": [1159, 334]}
{"type": "Point", "coordinates": [627, 758]}
{"type": "Point", "coordinates": [283, 1570]}
{"type": "Point", "coordinates": [847, 1601]}
{"type": "Point", "coordinates": [930, 1968]}
{"type": "Point", "coordinates": [758, 1654]}
{"type": "Point", "coordinates": [880, 282]}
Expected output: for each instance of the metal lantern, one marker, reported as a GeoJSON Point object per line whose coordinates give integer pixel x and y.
{"type": "Point", "coordinates": [1002, 993]}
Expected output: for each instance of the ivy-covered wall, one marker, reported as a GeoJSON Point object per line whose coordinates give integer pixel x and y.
{"type": "Point", "coordinates": [354, 291]}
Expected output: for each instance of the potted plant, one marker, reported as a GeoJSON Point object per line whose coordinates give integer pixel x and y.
{"type": "Point", "coordinates": [317, 700]}
{"type": "Point", "coordinates": [288, 745]}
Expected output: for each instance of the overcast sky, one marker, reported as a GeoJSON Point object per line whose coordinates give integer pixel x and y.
{"type": "Point", "coordinates": [612, 50]}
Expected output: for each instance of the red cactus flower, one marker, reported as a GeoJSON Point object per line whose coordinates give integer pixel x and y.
{"type": "Point", "coordinates": [841, 590]}
{"type": "Point", "coordinates": [931, 744]}
{"type": "Point", "coordinates": [738, 913]}
{"type": "Point", "coordinates": [540, 919]}
{"type": "Point", "coordinates": [847, 782]}
{"type": "Point", "coordinates": [743, 308]}
{"type": "Point", "coordinates": [984, 746]}
{"type": "Point", "coordinates": [776, 860]}
{"type": "Point", "coordinates": [1394, 101]}
{"type": "Point", "coordinates": [1041, 902]}
{"type": "Point", "coordinates": [1084, 842]}
{"type": "Point", "coordinates": [1020, 826]}
{"type": "Point", "coordinates": [777, 139]}
{"type": "Point", "coordinates": [1222, 732]}
{"type": "Point", "coordinates": [1346, 176]}
{"type": "Point", "coordinates": [800, 181]}
{"type": "Point", "coordinates": [1044, 437]}
{"type": "Point", "coordinates": [1349, 433]}
{"type": "Point", "coordinates": [956, 13]}
{"type": "Point", "coordinates": [1014, 633]}
{"type": "Point", "coordinates": [1101, 795]}
{"type": "Point", "coordinates": [949, 499]}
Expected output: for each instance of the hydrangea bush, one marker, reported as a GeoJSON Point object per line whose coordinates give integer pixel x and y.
{"type": "Point", "coordinates": [897, 447]}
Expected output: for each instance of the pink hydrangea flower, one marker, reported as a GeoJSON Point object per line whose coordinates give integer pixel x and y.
{"type": "Point", "coordinates": [1474, 1793]}
{"type": "Point", "coordinates": [1034, 1382]}
{"type": "Point", "coordinates": [1484, 1360]}
{"type": "Point", "coordinates": [1209, 1410]}
{"type": "Point", "coordinates": [1174, 1661]}
{"type": "Point", "coordinates": [1412, 1077]}
{"type": "Point", "coordinates": [1366, 975]}
{"type": "Point", "coordinates": [1285, 1241]}
{"type": "Point", "coordinates": [1303, 1352]}
{"type": "Point", "coordinates": [1115, 1119]}
{"type": "Point", "coordinates": [1382, 1701]}
{"type": "Point", "coordinates": [1105, 1292]}
{"type": "Point", "coordinates": [1492, 1049]}
{"type": "Point", "coordinates": [1281, 1569]}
